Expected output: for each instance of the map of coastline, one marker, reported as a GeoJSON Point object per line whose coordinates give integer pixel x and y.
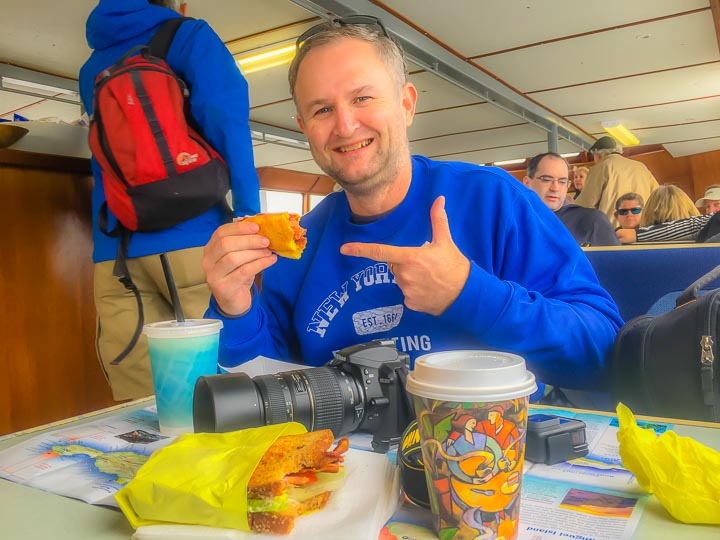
{"type": "Point", "coordinates": [122, 465]}
{"type": "Point", "coordinates": [90, 462]}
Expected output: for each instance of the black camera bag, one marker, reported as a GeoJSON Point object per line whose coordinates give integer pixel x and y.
{"type": "Point", "coordinates": [666, 365]}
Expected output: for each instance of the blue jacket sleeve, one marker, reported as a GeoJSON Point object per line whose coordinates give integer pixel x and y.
{"type": "Point", "coordinates": [219, 103]}
{"type": "Point", "coordinates": [560, 319]}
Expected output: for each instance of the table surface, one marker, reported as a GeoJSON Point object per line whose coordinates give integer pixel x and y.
{"type": "Point", "coordinates": [29, 513]}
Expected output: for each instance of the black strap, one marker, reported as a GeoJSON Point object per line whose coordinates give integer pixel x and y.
{"type": "Point", "coordinates": [103, 221]}
{"type": "Point", "coordinates": [122, 272]}
{"type": "Point", "coordinates": [155, 127]}
{"type": "Point", "coordinates": [160, 43]}
{"type": "Point", "coordinates": [691, 293]}
{"type": "Point", "coordinates": [710, 397]}
{"type": "Point", "coordinates": [130, 53]}
{"type": "Point", "coordinates": [159, 46]}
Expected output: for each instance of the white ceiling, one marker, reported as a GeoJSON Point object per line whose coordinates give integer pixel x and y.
{"type": "Point", "coordinates": [652, 64]}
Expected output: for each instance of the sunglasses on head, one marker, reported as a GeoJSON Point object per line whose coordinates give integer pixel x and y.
{"type": "Point", "coordinates": [625, 211]}
{"type": "Point", "coordinates": [350, 20]}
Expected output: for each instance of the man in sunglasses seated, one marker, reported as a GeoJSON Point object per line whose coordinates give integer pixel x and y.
{"type": "Point", "coordinates": [547, 175]}
{"type": "Point", "coordinates": [628, 211]}
{"type": "Point", "coordinates": [437, 255]}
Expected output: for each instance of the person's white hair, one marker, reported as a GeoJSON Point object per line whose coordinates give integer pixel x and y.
{"type": "Point", "coordinates": [607, 151]}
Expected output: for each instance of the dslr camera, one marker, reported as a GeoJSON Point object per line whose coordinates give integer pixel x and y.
{"type": "Point", "coordinates": [361, 389]}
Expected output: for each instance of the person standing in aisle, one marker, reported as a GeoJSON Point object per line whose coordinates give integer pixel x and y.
{"type": "Point", "coordinates": [613, 175]}
{"type": "Point", "coordinates": [220, 107]}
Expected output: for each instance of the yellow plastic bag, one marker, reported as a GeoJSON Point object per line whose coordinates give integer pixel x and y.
{"type": "Point", "coordinates": [200, 479]}
{"type": "Point", "coordinates": [682, 473]}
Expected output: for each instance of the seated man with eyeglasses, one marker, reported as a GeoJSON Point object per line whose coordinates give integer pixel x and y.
{"type": "Point", "coordinates": [628, 210]}
{"type": "Point", "coordinates": [437, 255]}
{"type": "Point", "coordinates": [547, 175]}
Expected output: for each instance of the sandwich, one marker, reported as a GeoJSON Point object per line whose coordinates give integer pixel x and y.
{"type": "Point", "coordinates": [295, 476]}
{"type": "Point", "coordinates": [287, 237]}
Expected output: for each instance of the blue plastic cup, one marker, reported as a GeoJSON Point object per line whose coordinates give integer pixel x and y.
{"type": "Point", "coordinates": [180, 352]}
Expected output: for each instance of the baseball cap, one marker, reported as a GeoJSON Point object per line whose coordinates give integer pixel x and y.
{"type": "Point", "coordinates": [711, 194]}
{"type": "Point", "coordinates": [604, 143]}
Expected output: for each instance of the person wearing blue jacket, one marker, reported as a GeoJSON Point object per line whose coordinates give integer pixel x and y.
{"type": "Point", "coordinates": [219, 104]}
{"type": "Point", "coordinates": [437, 255]}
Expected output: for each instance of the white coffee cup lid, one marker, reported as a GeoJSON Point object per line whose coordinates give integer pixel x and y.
{"type": "Point", "coordinates": [187, 328]}
{"type": "Point", "coordinates": [470, 376]}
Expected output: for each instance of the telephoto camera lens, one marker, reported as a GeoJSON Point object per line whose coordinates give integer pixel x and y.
{"type": "Point", "coordinates": [318, 398]}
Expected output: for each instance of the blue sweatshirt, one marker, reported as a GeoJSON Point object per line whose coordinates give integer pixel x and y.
{"type": "Point", "coordinates": [219, 104]}
{"type": "Point", "coordinates": [531, 290]}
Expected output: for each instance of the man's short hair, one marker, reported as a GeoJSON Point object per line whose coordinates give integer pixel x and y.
{"type": "Point", "coordinates": [629, 197]}
{"type": "Point", "coordinates": [533, 164]}
{"type": "Point", "coordinates": [170, 4]}
{"type": "Point", "coordinates": [389, 52]}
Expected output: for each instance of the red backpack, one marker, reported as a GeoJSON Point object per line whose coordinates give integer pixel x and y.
{"type": "Point", "coordinates": [157, 170]}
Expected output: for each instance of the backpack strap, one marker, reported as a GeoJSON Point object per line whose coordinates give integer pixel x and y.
{"type": "Point", "coordinates": [122, 272]}
{"type": "Point", "coordinates": [160, 43]}
{"type": "Point", "coordinates": [104, 220]}
{"type": "Point", "coordinates": [691, 292]}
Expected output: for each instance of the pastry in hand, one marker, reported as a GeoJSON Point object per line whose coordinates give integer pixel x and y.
{"type": "Point", "coordinates": [287, 237]}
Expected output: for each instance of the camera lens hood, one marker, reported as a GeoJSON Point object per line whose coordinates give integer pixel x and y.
{"type": "Point", "coordinates": [226, 402]}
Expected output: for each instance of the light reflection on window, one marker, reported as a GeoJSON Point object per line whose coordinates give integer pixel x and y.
{"type": "Point", "coordinates": [315, 200]}
{"type": "Point", "coordinates": [281, 201]}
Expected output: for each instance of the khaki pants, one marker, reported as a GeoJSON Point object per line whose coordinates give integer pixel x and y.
{"type": "Point", "coordinates": [117, 313]}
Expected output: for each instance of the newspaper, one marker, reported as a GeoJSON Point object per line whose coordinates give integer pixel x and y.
{"type": "Point", "coordinates": [590, 498]}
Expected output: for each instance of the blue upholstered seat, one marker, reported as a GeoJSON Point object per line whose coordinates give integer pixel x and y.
{"type": "Point", "coordinates": [646, 279]}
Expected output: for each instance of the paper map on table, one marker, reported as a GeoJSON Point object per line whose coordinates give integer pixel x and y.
{"type": "Point", "coordinates": [88, 462]}
{"type": "Point", "coordinates": [590, 498]}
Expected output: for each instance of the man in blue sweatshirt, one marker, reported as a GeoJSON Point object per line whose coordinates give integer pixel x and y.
{"type": "Point", "coordinates": [438, 255]}
{"type": "Point", "coordinates": [219, 105]}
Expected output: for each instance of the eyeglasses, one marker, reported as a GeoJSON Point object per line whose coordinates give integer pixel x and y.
{"type": "Point", "coordinates": [350, 20]}
{"type": "Point", "coordinates": [547, 179]}
{"type": "Point", "coordinates": [625, 211]}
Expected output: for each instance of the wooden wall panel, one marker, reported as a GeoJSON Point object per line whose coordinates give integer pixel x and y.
{"type": "Point", "coordinates": [49, 366]}
{"type": "Point", "coordinates": [669, 170]}
{"type": "Point", "coordinates": [705, 169]}
{"type": "Point", "coordinates": [284, 180]}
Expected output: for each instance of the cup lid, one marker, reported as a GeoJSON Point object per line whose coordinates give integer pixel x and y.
{"type": "Point", "coordinates": [471, 375]}
{"type": "Point", "coordinates": [187, 328]}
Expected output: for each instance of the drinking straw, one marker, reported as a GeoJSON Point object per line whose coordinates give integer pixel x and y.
{"type": "Point", "coordinates": [171, 288]}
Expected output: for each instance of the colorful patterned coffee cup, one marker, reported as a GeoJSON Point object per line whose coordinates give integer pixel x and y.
{"type": "Point", "coordinates": [471, 408]}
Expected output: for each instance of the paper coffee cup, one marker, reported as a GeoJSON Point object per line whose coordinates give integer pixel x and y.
{"type": "Point", "coordinates": [471, 408]}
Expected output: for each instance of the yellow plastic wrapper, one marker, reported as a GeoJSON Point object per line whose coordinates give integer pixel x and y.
{"type": "Point", "coordinates": [200, 479]}
{"type": "Point", "coordinates": [682, 473]}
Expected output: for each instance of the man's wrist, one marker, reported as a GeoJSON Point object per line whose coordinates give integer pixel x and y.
{"type": "Point", "coordinates": [253, 292]}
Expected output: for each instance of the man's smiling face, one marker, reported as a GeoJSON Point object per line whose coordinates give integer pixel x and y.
{"type": "Point", "coordinates": [355, 114]}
